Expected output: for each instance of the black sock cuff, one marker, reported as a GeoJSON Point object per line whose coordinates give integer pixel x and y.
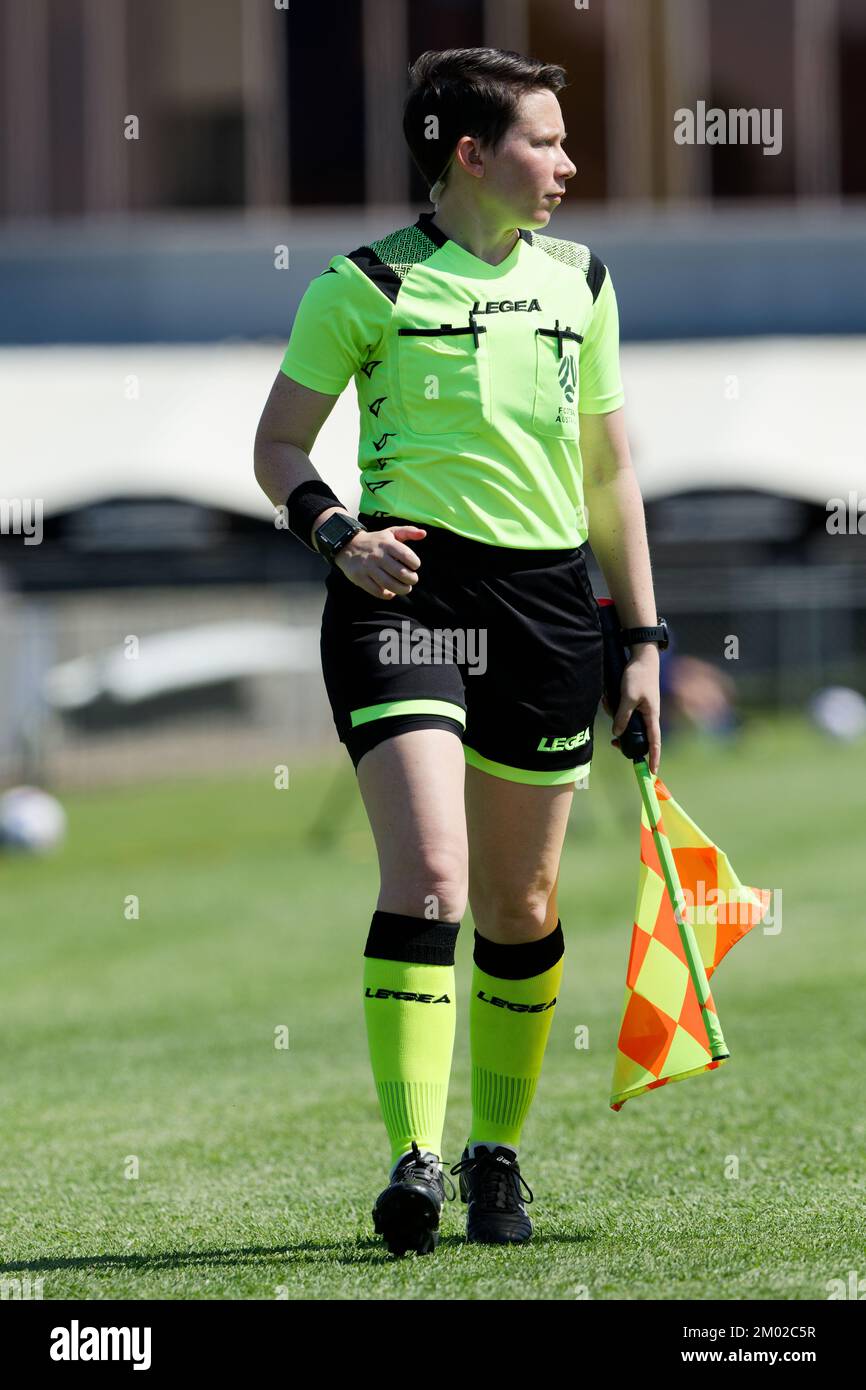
{"type": "Point", "coordinates": [415, 940]}
{"type": "Point", "coordinates": [520, 961]}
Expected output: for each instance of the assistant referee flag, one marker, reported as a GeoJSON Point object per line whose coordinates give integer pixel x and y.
{"type": "Point", "coordinates": [663, 1036]}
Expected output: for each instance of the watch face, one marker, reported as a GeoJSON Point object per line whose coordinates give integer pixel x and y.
{"type": "Point", "coordinates": [335, 529]}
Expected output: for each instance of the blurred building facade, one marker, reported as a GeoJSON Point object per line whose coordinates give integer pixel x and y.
{"type": "Point", "coordinates": [157, 157]}
{"type": "Point", "coordinates": [260, 104]}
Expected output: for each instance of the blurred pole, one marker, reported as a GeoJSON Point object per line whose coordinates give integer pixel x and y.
{"type": "Point", "coordinates": [36, 644]}
{"type": "Point", "coordinates": [8, 667]}
{"type": "Point", "coordinates": [816, 98]}
{"type": "Point", "coordinates": [265, 101]}
{"type": "Point", "coordinates": [385, 44]}
{"type": "Point", "coordinates": [506, 25]}
{"type": "Point", "coordinates": [26, 77]}
{"type": "Point", "coordinates": [106, 167]}
{"type": "Point", "coordinates": [688, 74]}
{"type": "Point", "coordinates": [628, 85]}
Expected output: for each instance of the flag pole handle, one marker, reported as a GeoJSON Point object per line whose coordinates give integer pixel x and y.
{"type": "Point", "coordinates": [633, 741]}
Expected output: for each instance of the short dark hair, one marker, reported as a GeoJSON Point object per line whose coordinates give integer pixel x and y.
{"type": "Point", "coordinates": [471, 91]}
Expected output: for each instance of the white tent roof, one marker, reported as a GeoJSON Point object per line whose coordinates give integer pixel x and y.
{"type": "Point", "coordinates": [783, 414]}
{"type": "Point", "coordinates": [83, 423]}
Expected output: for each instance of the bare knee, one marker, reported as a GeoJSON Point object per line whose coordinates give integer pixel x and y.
{"type": "Point", "coordinates": [433, 884]}
{"type": "Point", "coordinates": [516, 917]}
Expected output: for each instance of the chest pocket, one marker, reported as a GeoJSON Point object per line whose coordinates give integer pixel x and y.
{"type": "Point", "coordinates": [444, 375]}
{"type": "Point", "coordinates": [557, 382]}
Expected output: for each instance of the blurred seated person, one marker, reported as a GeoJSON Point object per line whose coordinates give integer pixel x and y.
{"type": "Point", "coordinates": [695, 692]}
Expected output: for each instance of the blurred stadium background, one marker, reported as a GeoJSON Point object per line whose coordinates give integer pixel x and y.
{"type": "Point", "coordinates": [174, 173]}
{"type": "Point", "coordinates": [159, 648]}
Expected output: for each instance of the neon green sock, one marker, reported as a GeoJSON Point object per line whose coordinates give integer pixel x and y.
{"type": "Point", "coordinates": [514, 993]}
{"type": "Point", "coordinates": [411, 1012]}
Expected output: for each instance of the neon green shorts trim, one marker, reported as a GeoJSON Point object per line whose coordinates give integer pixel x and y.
{"type": "Point", "coordinates": [389, 707]}
{"type": "Point", "coordinates": [524, 774]}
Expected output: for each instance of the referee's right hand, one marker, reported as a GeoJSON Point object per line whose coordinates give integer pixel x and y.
{"type": "Point", "coordinates": [380, 562]}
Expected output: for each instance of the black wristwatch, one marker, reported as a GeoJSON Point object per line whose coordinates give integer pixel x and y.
{"type": "Point", "coordinates": [336, 532]}
{"type": "Point", "coordinates": [631, 635]}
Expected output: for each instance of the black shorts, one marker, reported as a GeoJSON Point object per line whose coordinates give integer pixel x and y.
{"type": "Point", "coordinates": [501, 646]}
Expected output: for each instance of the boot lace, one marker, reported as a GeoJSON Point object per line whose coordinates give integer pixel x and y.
{"type": "Point", "coordinates": [425, 1168]}
{"type": "Point", "coordinates": [499, 1180]}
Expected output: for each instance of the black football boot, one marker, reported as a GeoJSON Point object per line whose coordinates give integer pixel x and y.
{"type": "Point", "coordinates": [406, 1213]}
{"type": "Point", "coordinates": [491, 1182]}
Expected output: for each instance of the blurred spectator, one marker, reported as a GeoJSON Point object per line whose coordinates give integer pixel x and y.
{"type": "Point", "coordinates": [696, 693]}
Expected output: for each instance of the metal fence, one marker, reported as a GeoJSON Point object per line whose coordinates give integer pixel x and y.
{"type": "Point", "coordinates": [796, 629]}
{"type": "Point", "coordinates": [254, 717]}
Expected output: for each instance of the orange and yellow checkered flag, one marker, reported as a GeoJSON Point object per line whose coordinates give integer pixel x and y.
{"type": "Point", "coordinates": [670, 1028]}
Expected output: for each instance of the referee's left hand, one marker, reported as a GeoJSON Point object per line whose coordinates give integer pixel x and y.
{"type": "Point", "coordinates": [639, 691]}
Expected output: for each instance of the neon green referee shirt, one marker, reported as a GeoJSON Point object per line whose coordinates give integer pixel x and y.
{"type": "Point", "coordinates": [470, 378]}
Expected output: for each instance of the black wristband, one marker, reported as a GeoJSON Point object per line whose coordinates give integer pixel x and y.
{"type": "Point", "coordinates": [629, 636]}
{"type": "Point", "coordinates": [304, 503]}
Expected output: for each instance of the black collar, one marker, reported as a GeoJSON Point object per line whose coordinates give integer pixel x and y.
{"type": "Point", "coordinates": [426, 224]}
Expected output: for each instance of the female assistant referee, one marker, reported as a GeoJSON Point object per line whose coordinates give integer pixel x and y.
{"type": "Point", "coordinates": [461, 647]}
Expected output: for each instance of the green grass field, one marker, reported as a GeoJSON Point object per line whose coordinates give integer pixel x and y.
{"type": "Point", "coordinates": [258, 1166]}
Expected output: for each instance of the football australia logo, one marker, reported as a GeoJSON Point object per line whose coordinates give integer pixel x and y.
{"type": "Point", "coordinates": [567, 369]}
